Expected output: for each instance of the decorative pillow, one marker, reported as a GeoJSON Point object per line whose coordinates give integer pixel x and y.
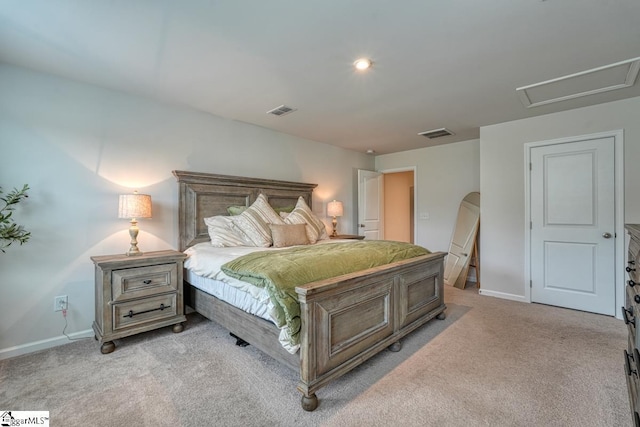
{"type": "Point", "coordinates": [236, 210]}
{"type": "Point", "coordinates": [284, 209]}
{"type": "Point", "coordinates": [253, 223]}
{"type": "Point", "coordinates": [221, 232]}
{"type": "Point", "coordinates": [302, 214]}
{"type": "Point", "coordinates": [288, 235]}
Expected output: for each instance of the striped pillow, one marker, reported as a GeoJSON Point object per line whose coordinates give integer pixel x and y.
{"type": "Point", "coordinates": [302, 214]}
{"type": "Point", "coordinates": [221, 232]}
{"type": "Point", "coordinates": [253, 223]}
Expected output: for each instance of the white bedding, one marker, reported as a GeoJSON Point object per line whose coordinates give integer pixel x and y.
{"type": "Point", "coordinates": [258, 306]}
{"type": "Point", "coordinates": [203, 271]}
{"type": "Point", "coordinates": [205, 260]}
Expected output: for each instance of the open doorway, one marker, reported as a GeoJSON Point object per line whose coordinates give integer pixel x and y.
{"type": "Point", "coordinates": [386, 204]}
{"type": "Point", "coordinates": [398, 205]}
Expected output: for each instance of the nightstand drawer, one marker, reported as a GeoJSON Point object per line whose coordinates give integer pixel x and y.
{"type": "Point", "coordinates": [137, 294]}
{"type": "Point", "coordinates": [144, 281]}
{"type": "Point", "coordinates": [137, 312]}
{"type": "Point", "coordinates": [630, 312]}
{"type": "Point", "coordinates": [633, 260]}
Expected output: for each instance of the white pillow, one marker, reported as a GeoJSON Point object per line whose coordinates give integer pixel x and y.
{"type": "Point", "coordinates": [302, 214]}
{"type": "Point", "coordinates": [253, 223]}
{"type": "Point", "coordinates": [221, 233]}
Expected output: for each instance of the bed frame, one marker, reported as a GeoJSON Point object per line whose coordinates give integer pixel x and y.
{"type": "Point", "coordinates": [345, 320]}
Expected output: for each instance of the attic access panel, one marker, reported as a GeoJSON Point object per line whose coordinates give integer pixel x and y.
{"type": "Point", "coordinates": [597, 80]}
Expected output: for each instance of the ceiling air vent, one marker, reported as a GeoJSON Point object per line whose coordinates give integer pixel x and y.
{"type": "Point", "coordinates": [436, 133]}
{"type": "Point", "coordinates": [281, 110]}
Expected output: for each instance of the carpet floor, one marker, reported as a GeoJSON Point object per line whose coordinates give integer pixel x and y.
{"type": "Point", "coordinates": [491, 362]}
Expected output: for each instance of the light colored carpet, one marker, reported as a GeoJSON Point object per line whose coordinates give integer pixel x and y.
{"type": "Point", "coordinates": [491, 362]}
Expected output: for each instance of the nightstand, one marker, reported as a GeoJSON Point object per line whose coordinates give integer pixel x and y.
{"type": "Point", "coordinates": [136, 294]}
{"type": "Point", "coordinates": [347, 236]}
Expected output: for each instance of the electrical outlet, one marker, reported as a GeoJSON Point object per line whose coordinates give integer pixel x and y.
{"type": "Point", "coordinates": [60, 303]}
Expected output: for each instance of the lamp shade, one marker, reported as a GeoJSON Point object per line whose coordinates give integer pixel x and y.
{"type": "Point", "coordinates": [335, 209]}
{"type": "Point", "coordinates": [134, 206]}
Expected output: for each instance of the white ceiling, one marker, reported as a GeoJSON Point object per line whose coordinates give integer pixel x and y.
{"type": "Point", "coordinates": [437, 63]}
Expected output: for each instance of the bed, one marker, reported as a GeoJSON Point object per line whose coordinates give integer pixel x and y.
{"type": "Point", "coordinates": [345, 320]}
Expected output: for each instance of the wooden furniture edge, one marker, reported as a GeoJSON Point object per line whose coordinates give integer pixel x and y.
{"type": "Point", "coordinates": [305, 292]}
{"type": "Point", "coordinates": [262, 334]}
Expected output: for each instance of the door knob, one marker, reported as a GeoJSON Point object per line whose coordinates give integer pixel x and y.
{"type": "Point", "coordinates": [606, 235]}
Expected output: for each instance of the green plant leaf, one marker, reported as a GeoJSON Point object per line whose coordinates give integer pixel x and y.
{"type": "Point", "coordinates": [11, 232]}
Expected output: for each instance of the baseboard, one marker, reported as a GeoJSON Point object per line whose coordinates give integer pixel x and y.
{"type": "Point", "coordinates": [7, 353]}
{"type": "Point", "coordinates": [503, 295]}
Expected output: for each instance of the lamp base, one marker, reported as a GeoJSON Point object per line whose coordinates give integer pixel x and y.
{"type": "Point", "coordinates": [133, 232]}
{"type": "Point", "coordinates": [334, 222]}
{"type": "Point", "coordinates": [135, 252]}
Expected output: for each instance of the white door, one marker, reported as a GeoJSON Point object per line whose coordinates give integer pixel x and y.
{"type": "Point", "coordinates": [370, 202]}
{"type": "Point", "coordinates": [573, 225]}
{"type": "Point", "coordinates": [462, 240]}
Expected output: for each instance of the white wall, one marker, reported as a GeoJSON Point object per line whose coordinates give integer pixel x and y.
{"type": "Point", "coordinates": [502, 248]}
{"type": "Point", "coordinates": [444, 175]}
{"type": "Point", "coordinates": [78, 146]}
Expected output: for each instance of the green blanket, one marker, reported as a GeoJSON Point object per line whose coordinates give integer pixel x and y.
{"type": "Point", "coordinates": [281, 271]}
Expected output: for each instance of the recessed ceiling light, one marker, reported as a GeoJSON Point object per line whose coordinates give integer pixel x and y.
{"type": "Point", "coordinates": [370, 151]}
{"type": "Point", "coordinates": [362, 64]}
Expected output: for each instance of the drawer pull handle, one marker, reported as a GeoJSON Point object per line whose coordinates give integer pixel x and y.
{"type": "Point", "coordinates": [130, 314]}
{"type": "Point", "coordinates": [636, 298]}
{"type": "Point", "coordinates": [147, 282]}
{"type": "Point", "coordinates": [626, 319]}
{"type": "Point", "coordinates": [631, 283]}
{"type": "Point", "coordinates": [627, 364]}
{"type": "Point", "coordinates": [629, 269]}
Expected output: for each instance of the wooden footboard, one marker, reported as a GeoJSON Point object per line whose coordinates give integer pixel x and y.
{"type": "Point", "coordinates": [345, 320]}
{"type": "Point", "coordinates": [254, 330]}
{"type": "Point", "coordinates": [349, 319]}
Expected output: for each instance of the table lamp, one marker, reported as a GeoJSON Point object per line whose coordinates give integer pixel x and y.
{"type": "Point", "coordinates": [134, 206]}
{"type": "Point", "coordinates": [334, 209]}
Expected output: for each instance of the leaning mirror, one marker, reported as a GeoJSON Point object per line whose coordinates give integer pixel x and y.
{"type": "Point", "coordinates": [463, 250]}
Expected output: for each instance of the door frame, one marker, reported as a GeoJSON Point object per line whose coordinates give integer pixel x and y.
{"type": "Point", "coordinates": [620, 251]}
{"type": "Point", "coordinates": [360, 202]}
{"type": "Point", "coordinates": [413, 169]}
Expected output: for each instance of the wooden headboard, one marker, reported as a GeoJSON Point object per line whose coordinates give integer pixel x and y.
{"type": "Point", "coordinates": [202, 195]}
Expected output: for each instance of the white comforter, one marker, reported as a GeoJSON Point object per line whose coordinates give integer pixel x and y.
{"type": "Point", "coordinates": [206, 261]}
